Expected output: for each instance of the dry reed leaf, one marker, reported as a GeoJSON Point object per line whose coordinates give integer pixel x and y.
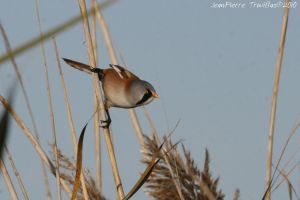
{"type": "Point", "coordinates": [143, 177]}
{"type": "Point", "coordinates": [78, 164]}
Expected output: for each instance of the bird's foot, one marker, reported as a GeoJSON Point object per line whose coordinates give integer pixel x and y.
{"type": "Point", "coordinates": [105, 123]}
{"type": "Point", "coordinates": [96, 70]}
{"type": "Point", "coordinates": [99, 72]}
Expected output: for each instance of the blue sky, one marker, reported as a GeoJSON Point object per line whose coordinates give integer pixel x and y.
{"type": "Point", "coordinates": [213, 68]}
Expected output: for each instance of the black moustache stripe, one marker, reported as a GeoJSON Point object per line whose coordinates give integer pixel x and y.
{"type": "Point", "coordinates": [145, 98]}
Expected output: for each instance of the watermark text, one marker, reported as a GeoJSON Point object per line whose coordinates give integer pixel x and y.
{"type": "Point", "coordinates": [254, 4]}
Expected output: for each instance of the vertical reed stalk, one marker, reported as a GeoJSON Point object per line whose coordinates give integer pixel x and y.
{"type": "Point", "coordinates": [40, 152]}
{"type": "Point", "coordinates": [97, 117]}
{"type": "Point", "coordinates": [68, 107]}
{"type": "Point", "coordinates": [274, 100]}
{"type": "Point", "coordinates": [113, 58]}
{"type": "Point", "coordinates": [132, 112]}
{"type": "Point", "coordinates": [17, 174]}
{"type": "Point", "coordinates": [50, 105]}
{"type": "Point", "coordinates": [8, 181]}
{"type": "Point", "coordinates": [66, 96]}
{"type": "Point", "coordinates": [28, 105]}
{"type": "Point", "coordinates": [107, 137]}
{"type": "Point", "coordinates": [69, 116]}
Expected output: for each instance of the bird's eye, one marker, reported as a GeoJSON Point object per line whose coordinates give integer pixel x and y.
{"type": "Point", "coordinates": [147, 95]}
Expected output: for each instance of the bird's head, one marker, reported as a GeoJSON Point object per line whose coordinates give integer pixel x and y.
{"type": "Point", "coordinates": [142, 92]}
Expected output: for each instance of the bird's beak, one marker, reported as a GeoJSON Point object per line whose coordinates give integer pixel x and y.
{"type": "Point", "coordinates": [154, 94]}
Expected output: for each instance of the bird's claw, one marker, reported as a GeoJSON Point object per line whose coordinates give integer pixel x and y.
{"type": "Point", "coordinates": [96, 70]}
{"type": "Point", "coordinates": [105, 123]}
{"type": "Point", "coordinates": [99, 72]}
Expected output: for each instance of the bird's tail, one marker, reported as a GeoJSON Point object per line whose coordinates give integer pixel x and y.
{"type": "Point", "coordinates": [83, 67]}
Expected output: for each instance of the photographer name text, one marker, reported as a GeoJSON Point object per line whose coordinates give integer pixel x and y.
{"type": "Point", "coordinates": [254, 4]}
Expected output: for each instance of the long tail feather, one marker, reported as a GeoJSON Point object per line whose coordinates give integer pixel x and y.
{"type": "Point", "coordinates": [78, 65]}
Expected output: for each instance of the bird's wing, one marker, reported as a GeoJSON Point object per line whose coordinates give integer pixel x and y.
{"type": "Point", "coordinates": [123, 73]}
{"type": "Point", "coordinates": [78, 65]}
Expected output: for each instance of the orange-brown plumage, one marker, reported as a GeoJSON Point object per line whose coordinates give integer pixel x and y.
{"type": "Point", "coordinates": [121, 87]}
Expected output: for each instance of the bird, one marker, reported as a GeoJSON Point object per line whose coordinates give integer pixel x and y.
{"type": "Point", "coordinates": [121, 88]}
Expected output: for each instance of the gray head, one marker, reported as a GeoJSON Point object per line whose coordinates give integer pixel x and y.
{"type": "Point", "coordinates": [142, 92]}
